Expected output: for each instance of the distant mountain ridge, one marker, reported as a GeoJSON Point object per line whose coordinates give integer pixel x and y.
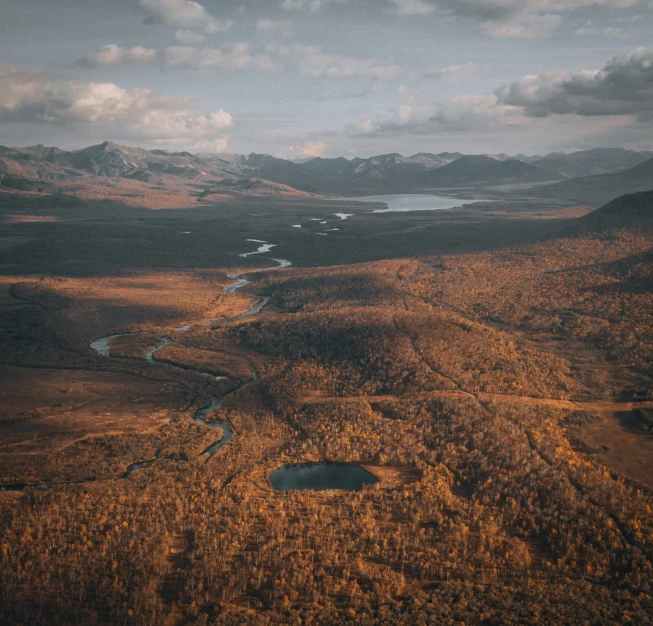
{"type": "Point", "coordinates": [483, 170]}
{"type": "Point", "coordinates": [590, 162]}
{"type": "Point", "coordinates": [378, 167]}
{"type": "Point", "coordinates": [612, 171]}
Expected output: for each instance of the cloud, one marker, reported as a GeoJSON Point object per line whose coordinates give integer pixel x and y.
{"type": "Point", "coordinates": [608, 33]}
{"type": "Point", "coordinates": [269, 26]}
{"type": "Point", "coordinates": [21, 86]}
{"type": "Point", "coordinates": [313, 63]}
{"type": "Point", "coordinates": [487, 10]}
{"type": "Point", "coordinates": [212, 145]}
{"type": "Point", "coordinates": [454, 71]}
{"type": "Point", "coordinates": [232, 57]}
{"type": "Point", "coordinates": [112, 54]}
{"type": "Point", "coordinates": [309, 149]}
{"type": "Point", "coordinates": [592, 105]}
{"type": "Point", "coordinates": [313, 6]}
{"type": "Point", "coordinates": [187, 36]}
{"type": "Point", "coordinates": [507, 18]}
{"type": "Point", "coordinates": [306, 5]}
{"type": "Point", "coordinates": [105, 109]}
{"type": "Point", "coordinates": [321, 94]}
{"type": "Point", "coordinates": [191, 18]}
{"type": "Point", "coordinates": [456, 115]}
{"type": "Point", "coordinates": [525, 27]}
{"type": "Point", "coordinates": [309, 61]}
{"type": "Point", "coordinates": [413, 7]}
{"type": "Point", "coordinates": [623, 87]}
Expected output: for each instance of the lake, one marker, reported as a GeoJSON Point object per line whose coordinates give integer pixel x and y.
{"type": "Point", "coordinates": [321, 476]}
{"type": "Point", "coordinates": [412, 202]}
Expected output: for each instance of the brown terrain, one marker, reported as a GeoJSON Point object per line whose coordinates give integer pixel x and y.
{"type": "Point", "coordinates": [501, 394]}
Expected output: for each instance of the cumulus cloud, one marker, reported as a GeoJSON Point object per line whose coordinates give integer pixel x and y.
{"type": "Point", "coordinates": [507, 18]}
{"type": "Point", "coordinates": [610, 102]}
{"type": "Point", "coordinates": [191, 19]}
{"type": "Point", "coordinates": [21, 86]}
{"type": "Point", "coordinates": [105, 109]}
{"type": "Point", "coordinates": [310, 61]}
{"type": "Point", "coordinates": [623, 87]}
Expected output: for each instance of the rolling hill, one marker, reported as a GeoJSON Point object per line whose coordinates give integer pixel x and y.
{"type": "Point", "coordinates": [629, 211]}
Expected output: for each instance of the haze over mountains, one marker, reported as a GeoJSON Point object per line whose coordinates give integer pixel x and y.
{"type": "Point", "coordinates": [601, 188]}
{"type": "Point", "coordinates": [589, 176]}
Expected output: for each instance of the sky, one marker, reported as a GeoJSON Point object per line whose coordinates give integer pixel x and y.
{"type": "Point", "coordinates": [305, 78]}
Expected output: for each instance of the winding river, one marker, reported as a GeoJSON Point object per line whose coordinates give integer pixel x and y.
{"type": "Point", "coordinates": [102, 347]}
{"type": "Point", "coordinates": [311, 476]}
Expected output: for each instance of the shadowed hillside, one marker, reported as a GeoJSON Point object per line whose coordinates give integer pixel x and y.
{"type": "Point", "coordinates": [601, 188]}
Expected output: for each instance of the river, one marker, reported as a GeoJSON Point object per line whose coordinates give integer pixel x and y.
{"type": "Point", "coordinates": [311, 476]}
{"type": "Point", "coordinates": [102, 347]}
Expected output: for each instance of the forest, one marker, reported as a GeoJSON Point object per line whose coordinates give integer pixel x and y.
{"type": "Point", "coordinates": [475, 386]}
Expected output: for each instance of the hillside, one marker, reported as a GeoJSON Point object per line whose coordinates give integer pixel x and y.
{"type": "Point", "coordinates": [283, 172]}
{"type": "Point", "coordinates": [601, 188]}
{"type": "Point", "coordinates": [629, 211]}
{"type": "Point", "coordinates": [157, 178]}
{"type": "Point", "coordinates": [477, 170]}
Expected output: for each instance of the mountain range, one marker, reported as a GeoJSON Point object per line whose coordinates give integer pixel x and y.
{"type": "Point", "coordinates": [588, 176]}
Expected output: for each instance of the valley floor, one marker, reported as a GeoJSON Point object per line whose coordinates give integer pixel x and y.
{"type": "Point", "coordinates": [503, 397]}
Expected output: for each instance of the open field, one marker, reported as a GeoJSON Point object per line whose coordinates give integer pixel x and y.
{"type": "Point", "coordinates": [56, 421]}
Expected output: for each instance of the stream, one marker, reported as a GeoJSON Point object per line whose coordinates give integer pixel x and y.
{"type": "Point", "coordinates": [291, 477]}
{"type": "Point", "coordinates": [102, 347]}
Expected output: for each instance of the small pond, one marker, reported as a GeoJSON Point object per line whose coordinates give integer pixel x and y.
{"type": "Point", "coordinates": [321, 476]}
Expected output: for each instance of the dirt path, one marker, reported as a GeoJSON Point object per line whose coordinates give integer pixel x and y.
{"type": "Point", "coordinates": [598, 405]}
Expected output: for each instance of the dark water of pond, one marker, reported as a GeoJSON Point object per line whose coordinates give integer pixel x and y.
{"type": "Point", "coordinates": [321, 476]}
